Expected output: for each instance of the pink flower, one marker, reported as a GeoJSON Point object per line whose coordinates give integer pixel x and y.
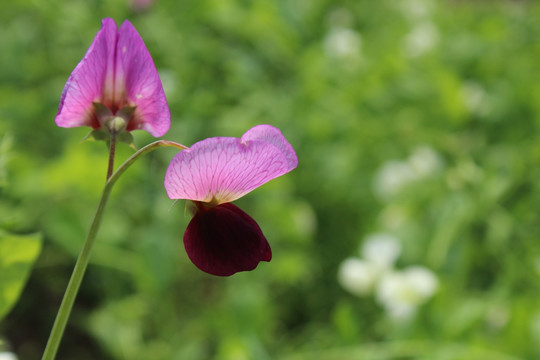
{"type": "Point", "coordinates": [221, 239]}
{"type": "Point", "coordinates": [141, 5]}
{"type": "Point", "coordinates": [116, 79]}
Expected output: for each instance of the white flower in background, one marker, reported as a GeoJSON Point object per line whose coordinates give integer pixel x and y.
{"type": "Point", "coordinates": [358, 276]}
{"type": "Point", "coordinates": [421, 39]}
{"type": "Point", "coordinates": [392, 176]}
{"type": "Point", "coordinates": [381, 249]}
{"type": "Point", "coordinates": [342, 42]}
{"type": "Point", "coordinates": [7, 356]}
{"type": "Point", "coordinates": [401, 292]}
{"type": "Point", "coordinates": [416, 10]}
{"type": "Point", "coordinates": [475, 98]}
{"type": "Point", "coordinates": [423, 280]}
{"type": "Point", "coordinates": [425, 161]}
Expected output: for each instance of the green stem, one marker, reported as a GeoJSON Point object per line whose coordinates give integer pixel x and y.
{"type": "Point", "coordinates": [112, 152]}
{"type": "Point", "coordinates": [82, 262]}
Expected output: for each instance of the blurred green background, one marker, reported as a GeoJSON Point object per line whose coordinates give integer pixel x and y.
{"type": "Point", "coordinates": [357, 87]}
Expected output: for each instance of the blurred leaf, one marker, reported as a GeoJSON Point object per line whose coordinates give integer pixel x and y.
{"type": "Point", "coordinates": [127, 138]}
{"type": "Point", "coordinates": [119, 326]}
{"type": "Point", "coordinates": [6, 142]}
{"type": "Point", "coordinates": [17, 256]}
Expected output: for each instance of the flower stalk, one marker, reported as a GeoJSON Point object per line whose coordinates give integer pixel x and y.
{"type": "Point", "coordinates": [112, 153]}
{"type": "Point", "coordinates": [84, 257]}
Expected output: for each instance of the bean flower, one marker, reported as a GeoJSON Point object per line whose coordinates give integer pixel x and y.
{"type": "Point", "coordinates": [221, 239]}
{"type": "Point", "coordinates": [116, 86]}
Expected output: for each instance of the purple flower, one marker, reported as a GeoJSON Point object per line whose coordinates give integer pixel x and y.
{"type": "Point", "coordinates": [221, 239]}
{"type": "Point", "coordinates": [116, 79]}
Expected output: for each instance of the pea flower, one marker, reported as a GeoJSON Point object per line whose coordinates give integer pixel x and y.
{"type": "Point", "coordinates": [221, 239]}
{"type": "Point", "coordinates": [116, 86]}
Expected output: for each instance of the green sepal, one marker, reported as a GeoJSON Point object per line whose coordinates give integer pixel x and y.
{"type": "Point", "coordinates": [126, 112]}
{"type": "Point", "coordinates": [127, 138]}
{"type": "Point", "coordinates": [102, 111]}
{"type": "Point", "coordinates": [96, 135]}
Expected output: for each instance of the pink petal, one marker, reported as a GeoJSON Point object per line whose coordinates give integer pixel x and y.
{"type": "Point", "coordinates": [87, 81]}
{"type": "Point", "coordinates": [137, 80]}
{"type": "Point", "coordinates": [222, 169]}
{"type": "Point", "coordinates": [224, 240]}
{"type": "Point", "coordinates": [273, 136]}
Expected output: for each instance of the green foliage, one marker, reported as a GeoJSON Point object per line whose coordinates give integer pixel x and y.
{"type": "Point", "coordinates": [17, 255]}
{"type": "Point", "coordinates": [359, 88]}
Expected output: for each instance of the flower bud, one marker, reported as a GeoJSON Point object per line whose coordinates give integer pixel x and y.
{"type": "Point", "coordinates": [116, 125]}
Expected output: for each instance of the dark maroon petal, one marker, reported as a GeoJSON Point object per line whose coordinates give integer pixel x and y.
{"type": "Point", "coordinates": [224, 240]}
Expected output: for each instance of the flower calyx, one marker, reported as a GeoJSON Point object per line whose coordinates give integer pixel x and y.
{"type": "Point", "coordinates": [112, 125]}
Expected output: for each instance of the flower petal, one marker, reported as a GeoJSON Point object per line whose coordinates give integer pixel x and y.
{"type": "Point", "coordinates": [87, 81]}
{"type": "Point", "coordinates": [137, 80]}
{"type": "Point", "coordinates": [223, 169]}
{"type": "Point", "coordinates": [273, 136]}
{"type": "Point", "coordinates": [224, 240]}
